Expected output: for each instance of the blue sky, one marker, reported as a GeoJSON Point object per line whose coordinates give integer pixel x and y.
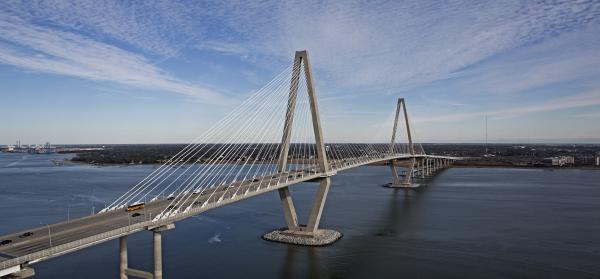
{"type": "Point", "coordinates": [163, 71]}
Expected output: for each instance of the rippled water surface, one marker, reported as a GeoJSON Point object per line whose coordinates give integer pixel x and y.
{"type": "Point", "coordinates": [465, 223]}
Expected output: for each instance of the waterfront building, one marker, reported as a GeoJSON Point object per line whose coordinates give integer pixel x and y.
{"type": "Point", "coordinates": [559, 161]}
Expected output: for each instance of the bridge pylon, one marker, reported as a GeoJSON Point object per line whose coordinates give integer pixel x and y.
{"type": "Point", "coordinates": [296, 233]}
{"type": "Point", "coordinates": [398, 182]}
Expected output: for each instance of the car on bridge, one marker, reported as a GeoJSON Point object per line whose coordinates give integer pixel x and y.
{"type": "Point", "coordinates": [6, 241]}
{"type": "Point", "coordinates": [26, 234]}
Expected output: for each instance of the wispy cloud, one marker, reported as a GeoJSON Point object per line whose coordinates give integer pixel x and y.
{"type": "Point", "coordinates": [223, 47]}
{"type": "Point", "coordinates": [586, 99]}
{"type": "Point", "coordinates": [391, 44]}
{"type": "Point", "coordinates": [160, 27]}
{"type": "Point", "coordinates": [589, 115]}
{"type": "Point", "coordinates": [43, 49]}
{"type": "Point", "coordinates": [572, 57]}
{"type": "Point", "coordinates": [363, 45]}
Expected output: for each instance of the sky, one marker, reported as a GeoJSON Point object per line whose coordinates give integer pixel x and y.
{"type": "Point", "coordinates": [165, 71]}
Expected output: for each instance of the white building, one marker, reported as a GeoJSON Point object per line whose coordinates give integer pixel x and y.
{"type": "Point", "coordinates": [559, 161]}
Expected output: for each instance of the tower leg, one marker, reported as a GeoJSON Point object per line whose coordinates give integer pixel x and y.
{"type": "Point", "coordinates": [395, 176]}
{"type": "Point", "coordinates": [408, 178]}
{"type": "Point", "coordinates": [317, 210]}
{"type": "Point", "coordinates": [289, 211]}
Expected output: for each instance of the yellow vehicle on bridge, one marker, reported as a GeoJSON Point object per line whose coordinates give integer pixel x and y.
{"type": "Point", "coordinates": [136, 206]}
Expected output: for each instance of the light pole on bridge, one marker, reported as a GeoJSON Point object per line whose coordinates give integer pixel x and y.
{"type": "Point", "coordinates": [49, 232]}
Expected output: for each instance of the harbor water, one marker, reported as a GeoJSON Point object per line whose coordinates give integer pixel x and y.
{"type": "Point", "coordinates": [464, 223]}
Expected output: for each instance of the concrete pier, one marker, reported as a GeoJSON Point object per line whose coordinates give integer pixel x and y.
{"type": "Point", "coordinates": [18, 273]}
{"type": "Point", "coordinates": [125, 271]}
{"type": "Point", "coordinates": [310, 234]}
{"type": "Point", "coordinates": [123, 257]}
{"type": "Point", "coordinates": [157, 255]}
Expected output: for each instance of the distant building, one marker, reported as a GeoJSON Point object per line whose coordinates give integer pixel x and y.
{"type": "Point", "coordinates": [598, 159]}
{"type": "Point", "coordinates": [7, 148]}
{"type": "Point", "coordinates": [585, 159]}
{"type": "Point", "coordinates": [33, 149]}
{"type": "Point", "coordinates": [559, 161]}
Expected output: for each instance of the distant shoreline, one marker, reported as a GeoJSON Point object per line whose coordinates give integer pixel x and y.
{"type": "Point", "coordinates": [526, 167]}
{"type": "Point", "coordinates": [473, 156]}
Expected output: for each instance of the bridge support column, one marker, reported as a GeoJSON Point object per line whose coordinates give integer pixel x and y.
{"type": "Point", "coordinates": [397, 182]}
{"type": "Point", "coordinates": [17, 271]}
{"type": "Point", "coordinates": [157, 255]}
{"type": "Point", "coordinates": [429, 167]}
{"type": "Point", "coordinates": [309, 234]}
{"type": "Point", "coordinates": [123, 257]}
{"type": "Point", "coordinates": [289, 211]}
{"type": "Point", "coordinates": [319, 203]}
{"type": "Point", "coordinates": [395, 176]}
{"type": "Point", "coordinates": [125, 271]}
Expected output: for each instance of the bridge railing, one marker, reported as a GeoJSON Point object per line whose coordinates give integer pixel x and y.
{"type": "Point", "coordinates": [74, 245]}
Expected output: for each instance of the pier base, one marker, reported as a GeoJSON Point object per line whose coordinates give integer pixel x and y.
{"type": "Point", "coordinates": [24, 272]}
{"type": "Point", "coordinates": [402, 185]}
{"type": "Point", "coordinates": [321, 237]}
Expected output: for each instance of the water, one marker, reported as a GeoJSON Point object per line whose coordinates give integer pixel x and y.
{"type": "Point", "coordinates": [466, 223]}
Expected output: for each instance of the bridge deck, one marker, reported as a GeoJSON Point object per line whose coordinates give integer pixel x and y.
{"type": "Point", "coordinates": [60, 238]}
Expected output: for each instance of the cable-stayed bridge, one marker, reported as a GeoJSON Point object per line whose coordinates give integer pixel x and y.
{"type": "Point", "coordinates": [271, 141]}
